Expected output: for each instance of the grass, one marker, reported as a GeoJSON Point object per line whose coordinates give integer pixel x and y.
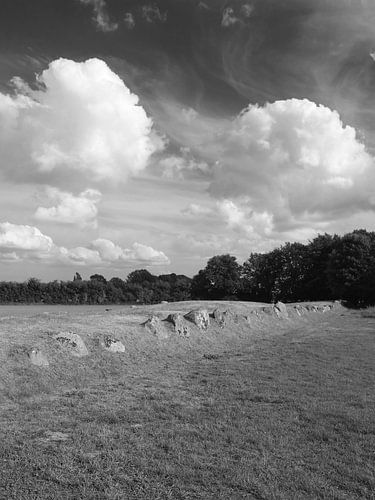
{"type": "Point", "coordinates": [274, 410]}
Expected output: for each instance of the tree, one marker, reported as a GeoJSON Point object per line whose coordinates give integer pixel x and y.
{"type": "Point", "coordinates": [77, 277]}
{"type": "Point", "coordinates": [98, 277]}
{"type": "Point", "coordinates": [351, 268]}
{"type": "Point", "coordinates": [221, 278]}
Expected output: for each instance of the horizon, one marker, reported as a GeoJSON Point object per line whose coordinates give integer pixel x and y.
{"type": "Point", "coordinates": [159, 134]}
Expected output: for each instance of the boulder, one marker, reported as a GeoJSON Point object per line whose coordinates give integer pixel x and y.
{"type": "Point", "coordinates": [199, 317]}
{"type": "Point", "coordinates": [73, 343]}
{"type": "Point", "coordinates": [281, 310]}
{"type": "Point", "coordinates": [156, 327]}
{"type": "Point", "coordinates": [37, 358]}
{"type": "Point", "coordinates": [179, 323]}
{"type": "Point", "coordinates": [112, 345]}
{"type": "Point", "coordinates": [222, 317]}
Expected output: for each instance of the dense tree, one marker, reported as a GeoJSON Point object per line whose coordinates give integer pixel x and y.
{"type": "Point", "coordinates": [220, 279]}
{"type": "Point", "coordinates": [351, 268]}
{"type": "Point", "coordinates": [98, 277]}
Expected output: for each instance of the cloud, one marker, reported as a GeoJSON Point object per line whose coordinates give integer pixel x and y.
{"type": "Point", "coordinates": [294, 160]}
{"type": "Point", "coordinates": [129, 20]}
{"type": "Point", "coordinates": [101, 17]}
{"type": "Point", "coordinates": [196, 210]}
{"type": "Point", "coordinates": [152, 14]}
{"type": "Point", "coordinates": [70, 209]}
{"type": "Point", "coordinates": [244, 220]}
{"type": "Point", "coordinates": [82, 121]}
{"type": "Point", "coordinates": [28, 243]}
{"type": "Point", "coordinates": [229, 19]}
{"type": "Point", "coordinates": [182, 167]}
{"type": "Point", "coordinates": [247, 10]}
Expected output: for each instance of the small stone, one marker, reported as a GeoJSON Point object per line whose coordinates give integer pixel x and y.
{"type": "Point", "coordinates": [37, 358]}
{"type": "Point", "coordinates": [73, 342]}
{"type": "Point", "coordinates": [112, 345]}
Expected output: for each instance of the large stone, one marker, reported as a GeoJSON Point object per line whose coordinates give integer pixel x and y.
{"type": "Point", "coordinates": [112, 345]}
{"type": "Point", "coordinates": [37, 358]}
{"type": "Point", "coordinates": [281, 310]}
{"type": "Point", "coordinates": [156, 327]}
{"type": "Point", "coordinates": [199, 317]}
{"type": "Point", "coordinates": [179, 323]}
{"type": "Point", "coordinates": [73, 343]}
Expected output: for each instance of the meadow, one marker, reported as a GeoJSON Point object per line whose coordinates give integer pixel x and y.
{"type": "Point", "coordinates": [264, 408]}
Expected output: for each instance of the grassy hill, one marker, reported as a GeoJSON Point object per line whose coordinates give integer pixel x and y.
{"type": "Point", "coordinates": [261, 407]}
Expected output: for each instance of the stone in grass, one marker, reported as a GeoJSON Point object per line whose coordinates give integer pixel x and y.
{"type": "Point", "coordinates": [222, 317]}
{"type": "Point", "coordinates": [179, 323]}
{"type": "Point", "coordinates": [56, 436]}
{"type": "Point", "coordinates": [281, 310]}
{"type": "Point", "coordinates": [156, 327]}
{"type": "Point", "coordinates": [73, 343]}
{"type": "Point", "coordinates": [37, 358]}
{"type": "Point", "coordinates": [199, 317]}
{"type": "Point", "coordinates": [112, 345]}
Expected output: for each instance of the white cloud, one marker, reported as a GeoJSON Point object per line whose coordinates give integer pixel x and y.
{"type": "Point", "coordinates": [245, 220]}
{"type": "Point", "coordinates": [83, 122]}
{"type": "Point", "coordinates": [23, 238]}
{"type": "Point", "coordinates": [229, 18]}
{"type": "Point", "coordinates": [101, 17]}
{"type": "Point", "coordinates": [295, 161]}
{"type": "Point", "coordinates": [247, 10]}
{"type": "Point", "coordinates": [129, 20]}
{"type": "Point", "coordinates": [196, 210]}
{"type": "Point", "coordinates": [27, 243]}
{"type": "Point", "coordinates": [70, 209]}
{"type": "Point", "coordinates": [152, 14]}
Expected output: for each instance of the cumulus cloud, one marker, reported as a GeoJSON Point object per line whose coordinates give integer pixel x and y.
{"type": "Point", "coordinates": [229, 18]}
{"type": "Point", "coordinates": [247, 10]}
{"type": "Point", "coordinates": [152, 14]}
{"type": "Point", "coordinates": [184, 166]}
{"type": "Point", "coordinates": [70, 209]}
{"type": "Point", "coordinates": [294, 160]}
{"type": "Point", "coordinates": [101, 17]}
{"type": "Point", "coordinates": [20, 242]}
{"type": "Point", "coordinates": [82, 120]}
{"type": "Point", "coordinates": [245, 220]}
{"type": "Point", "coordinates": [129, 20]}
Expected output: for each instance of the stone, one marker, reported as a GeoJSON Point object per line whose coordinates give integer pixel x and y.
{"type": "Point", "coordinates": [37, 358]}
{"type": "Point", "coordinates": [112, 345]}
{"type": "Point", "coordinates": [221, 317]}
{"type": "Point", "coordinates": [156, 327]}
{"type": "Point", "coordinates": [73, 343]}
{"type": "Point", "coordinates": [199, 317]}
{"type": "Point", "coordinates": [179, 323]}
{"type": "Point", "coordinates": [281, 310]}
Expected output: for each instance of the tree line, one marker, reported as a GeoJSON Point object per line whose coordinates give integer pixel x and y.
{"type": "Point", "coordinates": [328, 267]}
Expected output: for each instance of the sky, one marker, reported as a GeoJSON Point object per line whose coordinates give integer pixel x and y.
{"type": "Point", "coordinates": [157, 135]}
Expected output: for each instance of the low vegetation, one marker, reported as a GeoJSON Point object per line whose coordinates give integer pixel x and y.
{"type": "Point", "coordinates": [264, 409]}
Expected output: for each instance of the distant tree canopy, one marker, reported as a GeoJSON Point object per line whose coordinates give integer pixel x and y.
{"type": "Point", "coordinates": [328, 267]}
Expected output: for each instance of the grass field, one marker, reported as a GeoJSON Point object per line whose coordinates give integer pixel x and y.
{"type": "Point", "coordinates": [274, 409]}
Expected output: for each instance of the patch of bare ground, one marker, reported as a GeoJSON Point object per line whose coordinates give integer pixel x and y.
{"type": "Point", "coordinates": [257, 406]}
